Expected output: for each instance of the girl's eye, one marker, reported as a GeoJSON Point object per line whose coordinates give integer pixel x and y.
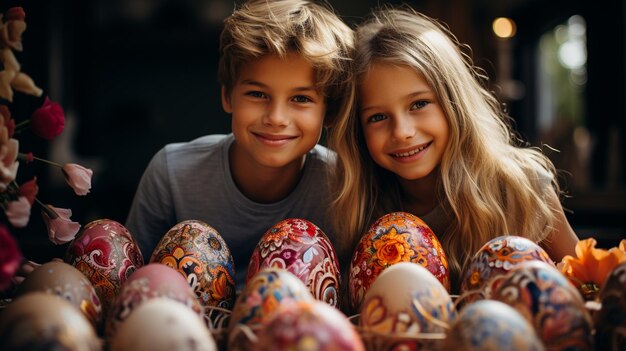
{"type": "Point", "coordinates": [301, 99]}
{"type": "Point", "coordinates": [256, 94]}
{"type": "Point", "coordinates": [419, 104]}
{"type": "Point", "coordinates": [376, 118]}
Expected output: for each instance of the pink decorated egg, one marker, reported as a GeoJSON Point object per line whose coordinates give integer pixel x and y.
{"type": "Point", "coordinates": [555, 308]}
{"type": "Point", "coordinates": [308, 325]}
{"type": "Point", "coordinates": [67, 282]}
{"type": "Point", "coordinates": [303, 249]}
{"type": "Point", "coordinates": [395, 237]}
{"type": "Point", "coordinates": [199, 253]}
{"type": "Point", "coordinates": [106, 253]}
{"type": "Point", "coordinates": [148, 282]}
{"type": "Point", "coordinates": [497, 257]}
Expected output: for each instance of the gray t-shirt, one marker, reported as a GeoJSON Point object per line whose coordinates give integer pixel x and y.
{"type": "Point", "coordinates": [192, 180]}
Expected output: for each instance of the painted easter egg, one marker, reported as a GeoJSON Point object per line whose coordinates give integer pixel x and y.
{"type": "Point", "coordinates": [395, 237]}
{"type": "Point", "coordinates": [545, 297]}
{"type": "Point", "coordinates": [264, 293]}
{"type": "Point", "coordinates": [308, 325]}
{"type": "Point", "coordinates": [42, 321]}
{"type": "Point", "coordinates": [148, 282]}
{"type": "Point", "coordinates": [106, 253]}
{"type": "Point", "coordinates": [489, 325]}
{"type": "Point", "coordinates": [67, 282]}
{"type": "Point", "coordinates": [610, 320]}
{"type": "Point", "coordinates": [406, 300]}
{"type": "Point", "coordinates": [198, 252]}
{"type": "Point", "coordinates": [497, 257]}
{"type": "Point", "coordinates": [303, 249]}
{"type": "Point", "coordinates": [162, 324]}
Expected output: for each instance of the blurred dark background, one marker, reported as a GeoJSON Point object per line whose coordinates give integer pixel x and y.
{"type": "Point", "coordinates": [133, 75]}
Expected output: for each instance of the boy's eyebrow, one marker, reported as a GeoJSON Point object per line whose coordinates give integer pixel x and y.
{"type": "Point", "coordinates": [262, 85]}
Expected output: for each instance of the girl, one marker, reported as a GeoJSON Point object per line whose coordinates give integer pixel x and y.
{"type": "Point", "coordinates": [428, 138]}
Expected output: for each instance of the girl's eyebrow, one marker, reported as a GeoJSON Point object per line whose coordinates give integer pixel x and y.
{"type": "Point", "coordinates": [412, 95]}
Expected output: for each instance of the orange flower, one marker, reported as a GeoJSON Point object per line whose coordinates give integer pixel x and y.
{"type": "Point", "coordinates": [589, 269]}
{"type": "Point", "coordinates": [392, 248]}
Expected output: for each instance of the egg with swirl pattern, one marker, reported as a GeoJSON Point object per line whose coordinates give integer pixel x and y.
{"type": "Point", "coordinates": [198, 252]}
{"type": "Point", "coordinates": [303, 249]}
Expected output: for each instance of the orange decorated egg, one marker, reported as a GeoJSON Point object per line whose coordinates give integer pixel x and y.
{"type": "Point", "coordinates": [395, 237]}
{"type": "Point", "coordinates": [303, 249]}
{"type": "Point", "coordinates": [198, 252]}
{"type": "Point", "coordinates": [106, 253]}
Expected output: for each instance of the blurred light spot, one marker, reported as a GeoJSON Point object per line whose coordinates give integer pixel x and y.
{"type": "Point", "coordinates": [504, 27]}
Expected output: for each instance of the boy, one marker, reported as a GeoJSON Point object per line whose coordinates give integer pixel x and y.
{"type": "Point", "coordinates": [285, 72]}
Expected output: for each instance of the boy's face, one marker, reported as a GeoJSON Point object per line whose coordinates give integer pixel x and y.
{"type": "Point", "coordinates": [277, 113]}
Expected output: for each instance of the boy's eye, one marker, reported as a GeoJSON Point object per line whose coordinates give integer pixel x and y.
{"type": "Point", "coordinates": [301, 99]}
{"type": "Point", "coordinates": [256, 94]}
{"type": "Point", "coordinates": [419, 104]}
{"type": "Point", "coordinates": [376, 118]}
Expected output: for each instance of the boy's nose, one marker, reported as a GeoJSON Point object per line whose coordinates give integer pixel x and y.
{"type": "Point", "coordinates": [276, 115]}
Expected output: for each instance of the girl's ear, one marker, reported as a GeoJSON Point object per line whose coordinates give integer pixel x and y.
{"type": "Point", "coordinates": [226, 105]}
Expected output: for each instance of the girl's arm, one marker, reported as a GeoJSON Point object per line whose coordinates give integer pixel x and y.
{"type": "Point", "coordinates": [562, 240]}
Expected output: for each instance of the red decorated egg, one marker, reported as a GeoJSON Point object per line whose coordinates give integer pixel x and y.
{"type": "Point", "coordinates": [555, 308]}
{"type": "Point", "coordinates": [198, 252]}
{"type": "Point", "coordinates": [303, 249]}
{"type": "Point", "coordinates": [308, 325]}
{"type": "Point", "coordinates": [395, 237]}
{"type": "Point", "coordinates": [149, 282]}
{"type": "Point", "coordinates": [67, 282]}
{"type": "Point", "coordinates": [497, 257]}
{"type": "Point", "coordinates": [106, 253]}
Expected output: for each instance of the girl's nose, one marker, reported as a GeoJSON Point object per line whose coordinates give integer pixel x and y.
{"type": "Point", "coordinates": [403, 128]}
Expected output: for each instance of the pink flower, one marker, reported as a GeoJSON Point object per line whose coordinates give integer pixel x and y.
{"type": "Point", "coordinates": [10, 258]}
{"type": "Point", "coordinates": [60, 228]}
{"type": "Point", "coordinates": [48, 121]}
{"type": "Point", "coordinates": [78, 177]}
{"type": "Point", "coordinates": [18, 212]}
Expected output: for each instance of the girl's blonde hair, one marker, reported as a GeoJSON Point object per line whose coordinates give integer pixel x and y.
{"type": "Point", "coordinates": [279, 27]}
{"type": "Point", "coordinates": [488, 182]}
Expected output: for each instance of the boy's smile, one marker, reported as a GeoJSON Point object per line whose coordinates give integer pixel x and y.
{"type": "Point", "coordinates": [277, 117]}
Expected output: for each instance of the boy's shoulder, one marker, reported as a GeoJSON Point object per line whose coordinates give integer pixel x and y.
{"type": "Point", "coordinates": [201, 144]}
{"type": "Point", "coordinates": [322, 155]}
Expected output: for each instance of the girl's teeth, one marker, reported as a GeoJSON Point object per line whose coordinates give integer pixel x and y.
{"type": "Point", "coordinates": [410, 153]}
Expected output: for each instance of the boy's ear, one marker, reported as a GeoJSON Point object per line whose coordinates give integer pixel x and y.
{"type": "Point", "coordinates": [226, 101]}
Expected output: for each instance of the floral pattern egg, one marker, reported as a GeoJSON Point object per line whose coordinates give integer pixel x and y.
{"type": "Point", "coordinates": [67, 282]}
{"type": "Point", "coordinates": [107, 254]}
{"type": "Point", "coordinates": [555, 308]}
{"type": "Point", "coordinates": [303, 249]}
{"type": "Point", "coordinates": [495, 258]}
{"type": "Point", "coordinates": [395, 237]}
{"type": "Point", "coordinates": [405, 301]}
{"type": "Point", "coordinates": [198, 252]}
{"type": "Point", "coordinates": [491, 325]}
{"type": "Point", "coordinates": [260, 299]}
{"type": "Point", "coordinates": [148, 282]}
{"type": "Point", "coordinates": [308, 325]}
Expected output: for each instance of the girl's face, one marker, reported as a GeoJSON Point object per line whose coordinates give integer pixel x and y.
{"type": "Point", "coordinates": [405, 128]}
